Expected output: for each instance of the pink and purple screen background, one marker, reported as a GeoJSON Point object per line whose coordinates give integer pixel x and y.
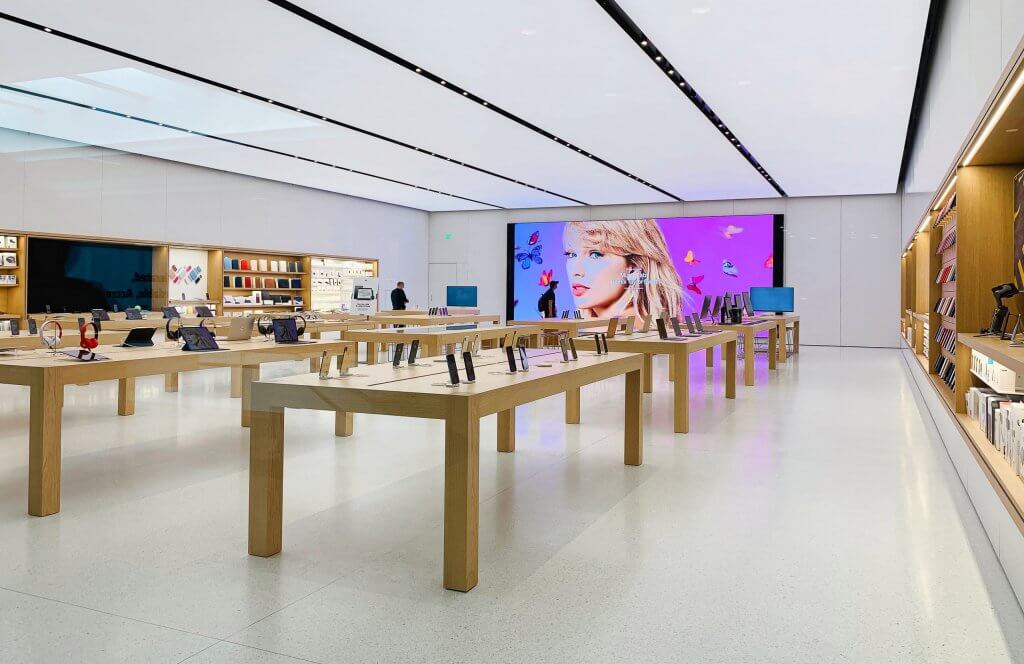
{"type": "Point", "coordinates": [748, 251]}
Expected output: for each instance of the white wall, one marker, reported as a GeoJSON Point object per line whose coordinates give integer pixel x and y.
{"type": "Point", "coordinates": [53, 186]}
{"type": "Point", "coordinates": [842, 255]}
{"type": "Point", "coordinates": [976, 40]}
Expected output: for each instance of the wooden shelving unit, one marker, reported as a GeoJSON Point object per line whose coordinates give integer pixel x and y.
{"type": "Point", "coordinates": [13, 297]}
{"type": "Point", "coordinates": [259, 277]}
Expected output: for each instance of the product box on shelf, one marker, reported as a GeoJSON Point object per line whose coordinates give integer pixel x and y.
{"type": "Point", "coordinates": [994, 374]}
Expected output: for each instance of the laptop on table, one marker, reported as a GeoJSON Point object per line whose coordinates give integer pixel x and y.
{"type": "Point", "coordinates": [140, 337]}
{"type": "Point", "coordinates": [286, 332]}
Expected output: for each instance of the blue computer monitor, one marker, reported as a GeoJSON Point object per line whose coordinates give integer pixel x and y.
{"type": "Point", "coordinates": [461, 296]}
{"type": "Point", "coordinates": [771, 299]}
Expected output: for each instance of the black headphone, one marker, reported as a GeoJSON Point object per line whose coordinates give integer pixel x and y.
{"type": "Point", "coordinates": [265, 325]}
{"type": "Point", "coordinates": [175, 334]}
{"type": "Point", "coordinates": [299, 331]}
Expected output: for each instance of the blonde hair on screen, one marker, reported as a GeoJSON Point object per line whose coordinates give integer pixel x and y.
{"type": "Point", "coordinates": [642, 244]}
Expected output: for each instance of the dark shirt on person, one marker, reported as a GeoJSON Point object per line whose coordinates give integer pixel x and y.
{"type": "Point", "coordinates": [398, 299]}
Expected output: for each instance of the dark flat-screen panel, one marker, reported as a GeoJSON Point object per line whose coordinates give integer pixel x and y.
{"type": "Point", "coordinates": [640, 266]}
{"type": "Point", "coordinates": [70, 275]}
{"type": "Point", "coordinates": [461, 296]}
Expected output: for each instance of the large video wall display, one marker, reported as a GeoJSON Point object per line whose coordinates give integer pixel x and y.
{"type": "Point", "coordinates": [638, 266]}
{"type": "Point", "coordinates": [69, 275]}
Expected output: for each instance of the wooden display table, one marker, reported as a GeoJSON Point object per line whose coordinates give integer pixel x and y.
{"type": "Point", "coordinates": [572, 326]}
{"type": "Point", "coordinates": [315, 328]}
{"type": "Point", "coordinates": [679, 362]}
{"type": "Point", "coordinates": [46, 374]}
{"type": "Point", "coordinates": [396, 318]}
{"type": "Point", "coordinates": [747, 331]}
{"type": "Point", "coordinates": [415, 392]}
{"type": "Point", "coordinates": [784, 321]}
{"type": "Point", "coordinates": [433, 339]}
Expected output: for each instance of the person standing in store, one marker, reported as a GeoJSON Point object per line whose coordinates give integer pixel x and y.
{"type": "Point", "coordinates": [398, 298]}
{"type": "Point", "coordinates": [546, 304]}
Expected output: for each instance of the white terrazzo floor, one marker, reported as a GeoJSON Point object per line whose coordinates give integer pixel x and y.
{"type": "Point", "coordinates": [816, 518]}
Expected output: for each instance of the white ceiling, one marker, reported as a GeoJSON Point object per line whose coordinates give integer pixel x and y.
{"type": "Point", "coordinates": [818, 91]}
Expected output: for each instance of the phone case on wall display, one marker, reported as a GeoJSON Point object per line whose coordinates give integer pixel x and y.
{"type": "Point", "coordinates": [238, 282]}
{"type": "Point", "coordinates": [227, 281]}
{"type": "Point", "coordinates": [245, 264]}
{"type": "Point", "coordinates": [248, 282]}
{"type": "Point", "coordinates": [227, 263]}
{"type": "Point", "coordinates": [235, 265]}
{"type": "Point", "coordinates": [274, 266]}
{"type": "Point", "coordinates": [296, 283]}
{"type": "Point", "coordinates": [268, 282]}
{"type": "Point", "coordinates": [282, 283]}
{"type": "Point", "coordinates": [263, 265]}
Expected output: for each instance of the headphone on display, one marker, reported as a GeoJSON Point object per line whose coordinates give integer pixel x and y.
{"type": "Point", "coordinates": [299, 331]}
{"type": "Point", "coordinates": [265, 325]}
{"type": "Point", "coordinates": [88, 344]}
{"type": "Point", "coordinates": [51, 341]}
{"type": "Point", "coordinates": [173, 334]}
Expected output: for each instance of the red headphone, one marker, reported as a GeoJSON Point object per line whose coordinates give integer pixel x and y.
{"type": "Point", "coordinates": [86, 342]}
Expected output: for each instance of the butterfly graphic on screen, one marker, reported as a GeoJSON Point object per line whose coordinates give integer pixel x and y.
{"type": "Point", "coordinates": [731, 230]}
{"type": "Point", "coordinates": [690, 259]}
{"type": "Point", "coordinates": [729, 269]}
{"type": "Point", "coordinates": [694, 284]}
{"type": "Point", "coordinates": [770, 261]}
{"type": "Point", "coordinates": [545, 277]}
{"type": "Point", "coordinates": [534, 236]}
{"type": "Point", "coordinates": [528, 258]}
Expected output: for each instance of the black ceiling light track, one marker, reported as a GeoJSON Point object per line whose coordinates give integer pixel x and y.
{"type": "Point", "coordinates": [936, 12]}
{"type": "Point", "coordinates": [276, 102]}
{"type": "Point", "coordinates": [680, 83]}
{"type": "Point", "coordinates": [232, 141]}
{"type": "Point", "coordinates": [456, 89]}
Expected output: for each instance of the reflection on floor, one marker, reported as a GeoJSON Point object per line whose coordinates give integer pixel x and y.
{"type": "Point", "coordinates": [814, 519]}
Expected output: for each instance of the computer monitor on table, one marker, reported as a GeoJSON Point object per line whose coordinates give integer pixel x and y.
{"type": "Point", "coordinates": [779, 300]}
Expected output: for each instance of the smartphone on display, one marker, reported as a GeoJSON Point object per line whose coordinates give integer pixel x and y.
{"type": "Point", "coordinates": [689, 324]}
{"type": "Point", "coordinates": [699, 325]}
{"type": "Point", "coordinates": [32, 329]}
{"type": "Point", "coordinates": [564, 345]}
{"type": "Point", "coordinates": [662, 331]}
{"type": "Point", "coordinates": [523, 359]}
{"type": "Point", "coordinates": [414, 349]}
{"type": "Point", "coordinates": [604, 343]}
{"type": "Point", "coordinates": [341, 361]}
{"type": "Point", "coordinates": [510, 355]}
{"type": "Point", "coordinates": [325, 365]}
{"type": "Point", "coordinates": [399, 347]}
{"type": "Point", "coordinates": [467, 360]}
{"type": "Point", "coordinates": [572, 348]}
{"type": "Point", "coordinates": [453, 369]}
{"type": "Point", "coordinates": [476, 344]}
{"type": "Point", "coordinates": [675, 326]}
{"type": "Point", "coordinates": [15, 329]}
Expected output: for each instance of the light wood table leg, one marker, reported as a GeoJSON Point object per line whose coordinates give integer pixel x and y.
{"type": "Point", "coordinates": [748, 357]}
{"type": "Point", "coordinates": [266, 482]}
{"type": "Point", "coordinates": [633, 422]}
{"type": "Point", "coordinates": [236, 382]}
{"type": "Point", "coordinates": [709, 357]}
{"type": "Point", "coordinates": [461, 498]}
{"type": "Point", "coordinates": [171, 382]}
{"type": "Point", "coordinates": [773, 345]}
{"type": "Point", "coordinates": [45, 403]}
{"type": "Point", "coordinates": [431, 347]}
{"type": "Point", "coordinates": [729, 350]}
{"type": "Point", "coordinates": [314, 362]}
{"type": "Point", "coordinates": [681, 393]}
{"type": "Point", "coordinates": [781, 336]}
{"type": "Point", "coordinates": [507, 430]}
{"type": "Point", "coordinates": [371, 352]}
{"type": "Point", "coordinates": [344, 423]}
{"type": "Point", "coordinates": [250, 374]}
{"type": "Point", "coordinates": [648, 373]}
{"type": "Point", "coordinates": [796, 337]}
{"type": "Point", "coordinates": [126, 396]}
{"type": "Point", "coordinates": [572, 405]}
{"type": "Point", "coordinates": [671, 367]}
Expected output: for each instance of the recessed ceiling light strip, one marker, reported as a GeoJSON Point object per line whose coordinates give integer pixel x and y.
{"type": "Point", "coordinates": [462, 92]}
{"type": "Point", "coordinates": [232, 141]}
{"type": "Point", "coordinates": [680, 83]}
{"type": "Point", "coordinates": [275, 102]}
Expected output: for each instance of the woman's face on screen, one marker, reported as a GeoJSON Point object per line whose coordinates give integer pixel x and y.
{"type": "Point", "coordinates": [595, 277]}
